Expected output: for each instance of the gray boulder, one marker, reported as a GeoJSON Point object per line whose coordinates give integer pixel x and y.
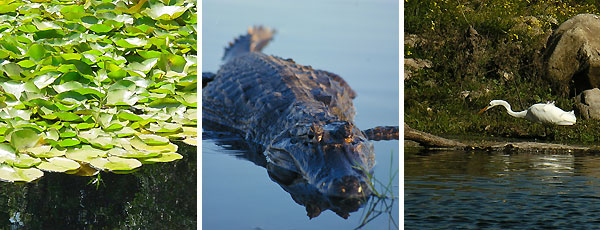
{"type": "Point", "coordinates": [572, 57]}
{"type": "Point", "coordinates": [588, 104]}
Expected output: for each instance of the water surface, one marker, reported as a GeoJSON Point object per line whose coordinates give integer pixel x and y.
{"type": "Point", "coordinates": [357, 40]}
{"type": "Point", "coordinates": [474, 190]}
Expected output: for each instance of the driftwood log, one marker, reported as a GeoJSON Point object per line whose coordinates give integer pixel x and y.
{"type": "Point", "coordinates": [430, 141]}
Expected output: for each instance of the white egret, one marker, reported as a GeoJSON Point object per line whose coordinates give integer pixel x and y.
{"type": "Point", "coordinates": [545, 113]}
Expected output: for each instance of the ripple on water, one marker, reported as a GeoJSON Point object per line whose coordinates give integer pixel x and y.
{"type": "Point", "coordinates": [451, 190]}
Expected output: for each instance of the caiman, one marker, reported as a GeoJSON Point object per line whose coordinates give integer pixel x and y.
{"type": "Point", "coordinates": [300, 118]}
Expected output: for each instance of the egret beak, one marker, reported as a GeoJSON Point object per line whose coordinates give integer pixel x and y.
{"type": "Point", "coordinates": [483, 110]}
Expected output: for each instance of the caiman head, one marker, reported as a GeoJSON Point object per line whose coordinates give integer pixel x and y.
{"type": "Point", "coordinates": [335, 157]}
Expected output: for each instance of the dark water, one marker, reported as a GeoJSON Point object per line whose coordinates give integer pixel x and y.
{"type": "Point", "coordinates": [479, 190]}
{"type": "Point", "coordinates": [157, 196]}
{"type": "Point", "coordinates": [357, 40]}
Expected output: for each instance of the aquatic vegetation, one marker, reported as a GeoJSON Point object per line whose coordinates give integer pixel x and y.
{"type": "Point", "coordinates": [106, 84]}
{"type": "Point", "coordinates": [383, 198]}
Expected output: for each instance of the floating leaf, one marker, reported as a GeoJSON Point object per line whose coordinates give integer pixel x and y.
{"type": "Point", "coordinates": [58, 164]}
{"type": "Point", "coordinates": [7, 153]}
{"type": "Point", "coordinates": [114, 163]}
{"type": "Point", "coordinates": [139, 144]}
{"type": "Point", "coordinates": [67, 116]}
{"type": "Point", "coordinates": [24, 139]}
{"type": "Point", "coordinates": [151, 139]}
{"type": "Point", "coordinates": [46, 151]}
{"type": "Point", "coordinates": [68, 142]}
{"type": "Point", "coordinates": [191, 141]}
{"type": "Point", "coordinates": [12, 174]}
{"type": "Point", "coordinates": [131, 42]}
{"type": "Point", "coordinates": [131, 153]}
{"type": "Point", "coordinates": [164, 157]}
{"type": "Point", "coordinates": [100, 28]}
{"type": "Point", "coordinates": [26, 63]}
{"type": "Point", "coordinates": [24, 161]}
{"type": "Point", "coordinates": [85, 153]}
{"type": "Point", "coordinates": [164, 127]}
{"type": "Point", "coordinates": [121, 97]}
{"type": "Point", "coordinates": [162, 12]}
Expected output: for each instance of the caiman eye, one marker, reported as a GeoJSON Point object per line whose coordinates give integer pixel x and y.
{"type": "Point", "coordinates": [315, 133]}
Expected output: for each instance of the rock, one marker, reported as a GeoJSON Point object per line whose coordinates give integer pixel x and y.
{"type": "Point", "coordinates": [572, 58]}
{"type": "Point", "coordinates": [414, 64]}
{"type": "Point", "coordinates": [588, 104]}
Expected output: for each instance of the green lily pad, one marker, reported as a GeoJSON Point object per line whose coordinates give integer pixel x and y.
{"type": "Point", "coordinates": [24, 139]}
{"type": "Point", "coordinates": [68, 142]}
{"type": "Point", "coordinates": [162, 12]}
{"type": "Point", "coordinates": [164, 157]}
{"type": "Point", "coordinates": [12, 174]}
{"type": "Point", "coordinates": [36, 51]}
{"type": "Point", "coordinates": [152, 139]}
{"type": "Point", "coordinates": [191, 141]}
{"type": "Point", "coordinates": [58, 164]}
{"type": "Point", "coordinates": [131, 42]}
{"type": "Point", "coordinates": [121, 97]}
{"type": "Point", "coordinates": [164, 127]}
{"type": "Point", "coordinates": [67, 116]}
{"type": "Point", "coordinates": [114, 163]}
{"type": "Point", "coordinates": [24, 161]}
{"type": "Point", "coordinates": [46, 151]}
{"type": "Point", "coordinates": [139, 144]}
{"type": "Point", "coordinates": [131, 153]}
{"type": "Point", "coordinates": [85, 154]}
{"type": "Point", "coordinates": [26, 63]}
{"type": "Point", "coordinates": [7, 153]}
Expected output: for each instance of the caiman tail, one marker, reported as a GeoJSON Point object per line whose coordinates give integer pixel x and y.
{"type": "Point", "coordinates": [257, 38]}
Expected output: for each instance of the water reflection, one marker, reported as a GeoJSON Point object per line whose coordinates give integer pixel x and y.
{"type": "Point", "coordinates": [498, 190]}
{"type": "Point", "coordinates": [158, 196]}
{"type": "Point", "coordinates": [301, 191]}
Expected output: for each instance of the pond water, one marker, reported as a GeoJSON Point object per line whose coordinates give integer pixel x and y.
{"type": "Point", "coordinates": [480, 190]}
{"type": "Point", "coordinates": [157, 196]}
{"type": "Point", "coordinates": [357, 40]}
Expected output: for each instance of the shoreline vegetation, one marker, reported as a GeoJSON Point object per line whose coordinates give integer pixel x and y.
{"type": "Point", "coordinates": [460, 55]}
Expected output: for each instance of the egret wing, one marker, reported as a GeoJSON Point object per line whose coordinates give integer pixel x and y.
{"type": "Point", "coordinates": [548, 113]}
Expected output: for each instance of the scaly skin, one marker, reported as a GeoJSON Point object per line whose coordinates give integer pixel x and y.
{"type": "Point", "coordinates": [300, 117]}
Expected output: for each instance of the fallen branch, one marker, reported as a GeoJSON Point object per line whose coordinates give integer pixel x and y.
{"type": "Point", "coordinates": [430, 141]}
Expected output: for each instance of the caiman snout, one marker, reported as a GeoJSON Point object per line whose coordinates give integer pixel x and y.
{"type": "Point", "coordinates": [349, 186]}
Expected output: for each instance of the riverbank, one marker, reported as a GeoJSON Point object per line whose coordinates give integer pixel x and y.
{"type": "Point", "coordinates": [478, 51]}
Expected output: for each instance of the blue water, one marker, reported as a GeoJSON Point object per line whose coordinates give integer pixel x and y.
{"type": "Point", "coordinates": [480, 190]}
{"type": "Point", "coordinates": [357, 40]}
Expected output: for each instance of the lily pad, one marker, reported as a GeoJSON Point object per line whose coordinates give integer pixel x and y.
{"type": "Point", "coordinates": [58, 164]}
{"type": "Point", "coordinates": [24, 139]}
{"type": "Point", "coordinates": [114, 163]}
{"type": "Point", "coordinates": [85, 154]}
{"type": "Point", "coordinates": [164, 127]}
{"type": "Point", "coordinates": [131, 153]}
{"type": "Point", "coordinates": [164, 157]}
{"type": "Point", "coordinates": [12, 174]}
{"type": "Point", "coordinates": [7, 153]}
{"type": "Point", "coordinates": [24, 161]}
{"type": "Point", "coordinates": [46, 151]}
{"type": "Point", "coordinates": [152, 139]}
{"type": "Point", "coordinates": [139, 144]}
{"type": "Point", "coordinates": [162, 12]}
